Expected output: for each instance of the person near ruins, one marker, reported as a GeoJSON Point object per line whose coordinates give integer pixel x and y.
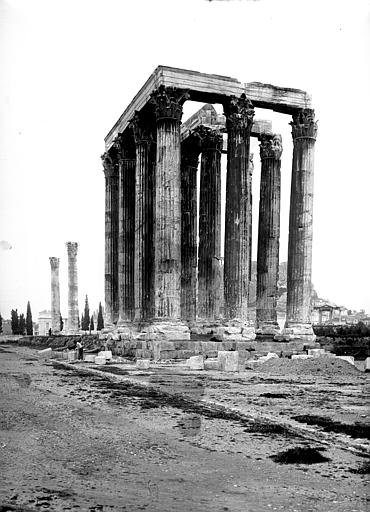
{"type": "Point", "coordinates": [80, 350]}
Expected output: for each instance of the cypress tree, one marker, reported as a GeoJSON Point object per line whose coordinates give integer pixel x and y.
{"type": "Point", "coordinates": [61, 323]}
{"type": "Point", "coordinates": [85, 323]}
{"type": "Point", "coordinates": [91, 324]}
{"type": "Point", "coordinates": [29, 324]}
{"type": "Point", "coordinates": [1, 324]}
{"type": "Point", "coordinates": [22, 324]}
{"type": "Point", "coordinates": [100, 321]}
{"type": "Point", "coordinates": [15, 321]}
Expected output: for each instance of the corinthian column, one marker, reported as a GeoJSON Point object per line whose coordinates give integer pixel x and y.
{"type": "Point", "coordinates": [126, 224]}
{"type": "Point", "coordinates": [209, 259]}
{"type": "Point", "coordinates": [111, 240]}
{"type": "Point", "coordinates": [190, 150]}
{"type": "Point", "coordinates": [298, 320]}
{"type": "Point", "coordinates": [55, 295]}
{"type": "Point", "coordinates": [268, 235]}
{"type": "Point", "coordinates": [143, 262]}
{"type": "Point", "coordinates": [167, 236]}
{"type": "Point", "coordinates": [72, 288]}
{"type": "Point", "coordinates": [239, 118]}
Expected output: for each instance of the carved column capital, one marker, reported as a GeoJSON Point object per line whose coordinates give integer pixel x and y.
{"type": "Point", "coordinates": [72, 249]}
{"type": "Point", "coordinates": [109, 165]}
{"type": "Point", "coordinates": [304, 125]}
{"type": "Point", "coordinates": [271, 146]}
{"type": "Point", "coordinates": [143, 134]}
{"type": "Point", "coordinates": [124, 147]}
{"type": "Point", "coordinates": [168, 103]}
{"type": "Point", "coordinates": [239, 114]}
{"type": "Point", "coordinates": [209, 138]}
{"type": "Point", "coordinates": [54, 263]}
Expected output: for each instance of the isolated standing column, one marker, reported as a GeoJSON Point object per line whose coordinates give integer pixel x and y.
{"type": "Point", "coordinates": [298, 320]}
{"type": "Point", "coordinates": [73, 313]}
{"type": "Point", "coordinates": [55, 295]}
{"type": "Point", "coordinates": [268, 235]}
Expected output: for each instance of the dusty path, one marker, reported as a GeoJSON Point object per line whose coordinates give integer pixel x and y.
{"type": "Point", "coordinates": [73, 440]}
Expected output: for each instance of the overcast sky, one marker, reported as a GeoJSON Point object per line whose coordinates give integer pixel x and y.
{"type": "Point", "coordinates": [70, 68]}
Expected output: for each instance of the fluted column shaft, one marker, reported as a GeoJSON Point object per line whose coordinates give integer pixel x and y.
{"type": "Point", "coordinates": [126, 237]}
{"type": "Point", "coordinates": [268, 235]}
{"type": "Point", "coordinates": [144, 250]}
{"type": "Point", "coordinates": [239, 117]}
{"type": "Point", "coordinates": [209, 260]}
{"type": "Point", "coordinates": [189, 235]}
{"type": "Point", "coordinates": [111, 239]}
{"type": "Point", "coordinates": [167, 261]}
{"type": "Point", "coordinates": [73, 314]}
{"type": "Point", "coordinates": [55, 295]}
{"type": "Point", "coordinates": [298, 321]}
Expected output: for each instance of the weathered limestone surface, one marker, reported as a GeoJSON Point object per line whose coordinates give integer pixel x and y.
{"type": "Point", "coordinates": [268, 235]}
{"type": "Point", "coordinates": [209, 259]}
{"type": "Point", "coordinates": [111, 239]}
{"type": "Point", "coordinates": [55, 295]}
{"type": "Point", "coordinates": [190, 150]}
{"type": "Point", "coordinates": [239, 115]}
{"type": "Point", "coordinates": [298, 322]}
{"type": "Point", "coordinates": [73, 313]}
{"type": "Point", "coordinates": [208, 88]}
{"type": "Point", "coordinates": [167, 235]}
{"type": "Point", "coordinates": [144, 248]}
{"type": "Point", "coordinates": [126, 236]}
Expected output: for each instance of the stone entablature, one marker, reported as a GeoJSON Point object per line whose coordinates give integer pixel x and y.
{"type": "Point", "coordinates": [213, 89]}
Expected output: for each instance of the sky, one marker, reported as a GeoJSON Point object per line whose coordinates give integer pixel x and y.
{"type": "Point", "coordinates": [70, 67]}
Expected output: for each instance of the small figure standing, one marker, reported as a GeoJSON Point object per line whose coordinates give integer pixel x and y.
{"type": "Point", "coordinates": [50, 331]}
{"type": "Point", "coordinates": [80, 351]}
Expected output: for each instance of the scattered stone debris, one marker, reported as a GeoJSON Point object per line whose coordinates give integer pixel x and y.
{"type": "Point", "coordinates": [300, 455]}
{"type": "Point", "coordinates": [324, 366]}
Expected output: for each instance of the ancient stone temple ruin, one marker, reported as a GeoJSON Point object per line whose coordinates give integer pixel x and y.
{"type": "Point", "coordinates": [164, 277]}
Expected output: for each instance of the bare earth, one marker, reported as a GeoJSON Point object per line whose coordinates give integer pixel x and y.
{"type": "Point", "coordinates": [75, 437]}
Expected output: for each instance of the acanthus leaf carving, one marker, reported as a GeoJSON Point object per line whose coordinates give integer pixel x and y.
{"type": "Point", "coordinates": [271, 146]}
{"type": "Point", "coordinates": [168, 102]}
{"type": "Point", "coordinates": [304, 124]}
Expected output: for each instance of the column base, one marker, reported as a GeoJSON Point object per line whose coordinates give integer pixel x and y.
{"type": "Point", "coordinates": [236, 330]}
{"type": "Point", "coordinates": [268, 329]}
{"type": "Point", "coordinates": [296, 332]}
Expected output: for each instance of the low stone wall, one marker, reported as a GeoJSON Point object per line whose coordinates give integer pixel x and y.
{"type": "Point", "coordinates": [90, 341]}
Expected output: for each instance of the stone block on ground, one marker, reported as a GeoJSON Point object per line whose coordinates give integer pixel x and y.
{"type": "Point", "coordinates": [211, 364]}
{"type": "Point", "coordinates": [316, 352]}
{"type": "Point", "coordinates": [100, 360]}
{"type": "Point", "coordinates": [71, 355]}
{"type": "Point", "coordinates": [46, 353]}
{"type": "Point", "coordinates": [349, 359]}
{"type": "Point", "coordinates": [89, 358]}
{"type": "Point", "coordinates": [107, 354]}
{"type": "Point", "coordinates": [302, 356]}
{"type": "Point", "coordinates": [228, 361]}
{"type": "Point", "coordinates": [143, 364]}
{"type": "Point", "coordinates": [195, 363]}
{"type": "Point", "coordinates": [367, 364]}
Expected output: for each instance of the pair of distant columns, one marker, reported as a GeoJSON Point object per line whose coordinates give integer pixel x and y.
{"type": "Point", "coordinates": [154, 292]}
{"type": "Point", "coordinates": [73, 313]}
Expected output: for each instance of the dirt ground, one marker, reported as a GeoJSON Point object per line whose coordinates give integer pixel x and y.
{"type": "Point", "coordinates": [78, 437]}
